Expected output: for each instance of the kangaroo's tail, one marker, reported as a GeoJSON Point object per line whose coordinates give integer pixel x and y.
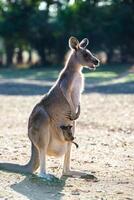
{"type": "Point", "coordinates": [30, 167]}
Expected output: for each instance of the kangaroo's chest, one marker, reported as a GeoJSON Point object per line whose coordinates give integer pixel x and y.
{"type": "Point", "coordinates": [77, 88]}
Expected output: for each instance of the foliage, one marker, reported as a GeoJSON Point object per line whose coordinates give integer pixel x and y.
{"type": "Point", "coordinates": [109, 25]}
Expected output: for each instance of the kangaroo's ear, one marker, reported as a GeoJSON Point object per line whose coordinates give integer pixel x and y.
{"type": "Point", "coordinates": [84, 43]}
{"type": "Point", "coordinates": [73, 43]}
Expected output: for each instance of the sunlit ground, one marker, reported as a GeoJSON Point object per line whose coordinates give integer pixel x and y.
{"type": "Point", "coordinates": [104, 133]}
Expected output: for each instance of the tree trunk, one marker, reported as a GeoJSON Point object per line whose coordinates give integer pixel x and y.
{"type": "Point", "coordinates": [42, 56]}
{"type": "Point", "coordinates": [124, 54]}
{"type": "Point", "coordinates": [30, 57]}
{"type": "Point", "coordinates": [110, 55]}
{"type": "Point", "coordinates": [20, 56]}
{"type": "Point", "coordinates": [9, 53]}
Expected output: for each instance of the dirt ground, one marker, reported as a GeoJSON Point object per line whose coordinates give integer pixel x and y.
{"type": "Point", "coordinates": [105, 134]}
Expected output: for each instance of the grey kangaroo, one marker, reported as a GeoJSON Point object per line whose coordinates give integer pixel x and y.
{"type": "Point", "coordinates": [58, 108]}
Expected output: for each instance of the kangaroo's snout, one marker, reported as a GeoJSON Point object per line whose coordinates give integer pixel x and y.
{"type": "Point", "coordinates": [72, 138]}
{"type": "Point", "coordinates": [96, 61]}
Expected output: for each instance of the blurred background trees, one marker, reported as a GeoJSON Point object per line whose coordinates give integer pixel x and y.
{"type": "Point", "coordinates": [35, 28]}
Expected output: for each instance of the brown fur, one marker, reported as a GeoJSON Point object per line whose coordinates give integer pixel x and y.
{"type": "Point", "coordinates": [57, 108]}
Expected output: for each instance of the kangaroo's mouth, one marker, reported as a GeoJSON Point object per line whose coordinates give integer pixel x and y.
{"type": "Point", "coordinates": [92, 67]}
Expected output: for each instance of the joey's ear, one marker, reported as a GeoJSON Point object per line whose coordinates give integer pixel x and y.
{"type": "Point", "coordinates": [73, 43]}
{"type": "Point", "coordinates": [70, 127]}
{"type": "Point", "coordinates": [84, 43]}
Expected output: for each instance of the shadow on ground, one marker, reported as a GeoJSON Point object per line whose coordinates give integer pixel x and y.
{"type": "Point", "coordinates": [36, 189]}
{"type": "Point", "coordinates": [10, 88]}
{"type": "Point", "coordinates": [116, 88]}
{"type": "Point", "coordinates": [25, 89]}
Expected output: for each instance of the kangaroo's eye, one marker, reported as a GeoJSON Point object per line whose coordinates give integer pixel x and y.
{"type": "Point", "coordinates": [85, 55]}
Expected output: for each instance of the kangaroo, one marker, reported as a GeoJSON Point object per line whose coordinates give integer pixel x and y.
{"type": "Point", "coordinates": [68, 135]}
{"type": "Point", "coordinates": [57, 108]}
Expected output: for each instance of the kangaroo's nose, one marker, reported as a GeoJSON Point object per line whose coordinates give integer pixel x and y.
{"type": "Point", "coordinates": [72, 138]}
{"type": "Point", "coordinates": [96, 62]}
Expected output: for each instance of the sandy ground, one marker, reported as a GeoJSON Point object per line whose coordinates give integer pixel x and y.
{"type": "Point", "coordinates": [105, 134]}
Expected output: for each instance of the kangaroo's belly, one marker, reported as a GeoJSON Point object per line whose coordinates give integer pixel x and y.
{"type": "Point", "coordinates": [56, 148]}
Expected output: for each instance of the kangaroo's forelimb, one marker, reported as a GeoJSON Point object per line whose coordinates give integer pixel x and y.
{"type": "Point", "coordinates": [66, 88]}
{"type": "Point", "coordinates": [75, 116]}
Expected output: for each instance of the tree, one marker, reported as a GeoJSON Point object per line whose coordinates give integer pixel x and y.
{"type": "Point", "coordinates": [25, 24]}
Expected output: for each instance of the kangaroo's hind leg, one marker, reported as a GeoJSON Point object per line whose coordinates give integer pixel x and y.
{"type": "Point", "coordinates": [42, 146]}
{"type": "Point", "coordinates": [66, 166]}
{"type": "Point", "coordinates": [40, 136]}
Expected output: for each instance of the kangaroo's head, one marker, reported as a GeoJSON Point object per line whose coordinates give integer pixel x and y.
{"type": "Point", "coordinates": [83, 56]}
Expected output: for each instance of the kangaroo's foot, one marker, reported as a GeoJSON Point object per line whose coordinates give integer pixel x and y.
{"type": "Point", "coordinates": [47, 177]}
{"type": "Point", "coordinates": [75, 173]}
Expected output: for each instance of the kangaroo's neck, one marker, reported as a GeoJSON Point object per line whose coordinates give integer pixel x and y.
{"type": "Point", "coordinates": [74, 79]}
{"type": "Point", "coordinates": [72, 64]}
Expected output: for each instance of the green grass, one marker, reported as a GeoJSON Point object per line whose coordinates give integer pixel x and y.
{"type": "Point", "coordinates": [130, 77]}
{"type": "Point", "coordinates": [33, 74]}
{"type": "Point", "coordinates": [103, 73]}
{"type": "Point", "coordinates": [98, 76]}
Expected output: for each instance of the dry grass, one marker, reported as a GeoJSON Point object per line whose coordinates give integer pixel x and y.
{"type": "Point", "coordinates": [104, 134]}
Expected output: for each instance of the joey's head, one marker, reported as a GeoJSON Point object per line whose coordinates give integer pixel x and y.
{"type": "Point", "coordinates": [67, 132]}
{"type": "Point", "coordinates": [83, 56]}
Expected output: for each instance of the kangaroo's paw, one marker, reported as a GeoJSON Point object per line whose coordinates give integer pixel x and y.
{"type": "Point", "coordinates": [48, 177]}
{"type": "Point", "coordinates": [80, 174]}
{"type": "Point", "coordinates": [74, 116]}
